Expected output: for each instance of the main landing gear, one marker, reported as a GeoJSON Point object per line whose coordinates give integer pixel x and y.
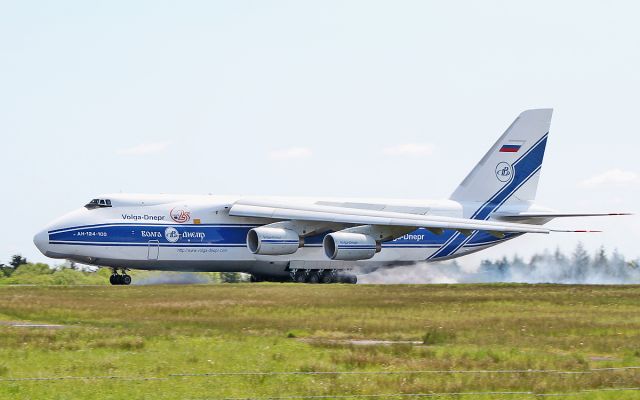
{"type": "Point", "coordinates": [119, 279]}
{"type": "Point", "coordinates": [322, 276]}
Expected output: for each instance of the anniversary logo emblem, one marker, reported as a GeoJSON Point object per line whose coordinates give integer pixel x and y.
{"type": "Point", "coordinates": [180, 214]}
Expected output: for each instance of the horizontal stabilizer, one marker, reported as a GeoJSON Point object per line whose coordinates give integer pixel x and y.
{"type": "Point", "coordinates": [548, 216]}
{"type": "Point", "coordinates": [575, 231]}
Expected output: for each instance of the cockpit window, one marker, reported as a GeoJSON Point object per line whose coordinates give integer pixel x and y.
{"type": "Point", "coordinates": [98, 203]}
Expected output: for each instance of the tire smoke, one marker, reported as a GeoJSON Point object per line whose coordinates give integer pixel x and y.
{"type": "Point", "coordinates": [555, 267]}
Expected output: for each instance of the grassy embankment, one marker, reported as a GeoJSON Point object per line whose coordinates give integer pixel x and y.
{"type": "Point", "coordinates": [159, 331]}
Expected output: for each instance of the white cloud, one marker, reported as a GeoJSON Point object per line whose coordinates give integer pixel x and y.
{"type": "Point", "coordinates": [145, 148]}
{"type": "Point", "coordinates": [290, 153]}
{"type": "Point", "coordinates": [614, 176]}
{"type": "Point", "coordinates": [410, 149]}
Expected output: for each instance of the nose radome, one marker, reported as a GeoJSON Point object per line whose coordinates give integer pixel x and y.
{"type": "Point", "coordinates": [41, 240]}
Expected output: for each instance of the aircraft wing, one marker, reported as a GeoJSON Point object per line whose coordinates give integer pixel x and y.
{"type": "Point", "coordinates": [319, 213]}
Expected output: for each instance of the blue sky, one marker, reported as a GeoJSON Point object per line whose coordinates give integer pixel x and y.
{"type": "Point", "coordinates": [348, 98]}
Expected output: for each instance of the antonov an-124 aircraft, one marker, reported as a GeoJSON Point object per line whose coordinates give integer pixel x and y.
{"type": "Point", "coordinates": [313, 239]}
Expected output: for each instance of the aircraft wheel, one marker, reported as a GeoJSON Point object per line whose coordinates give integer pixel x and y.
{"type": "Point", "coordinates": [125, 279]}
{"type": "Point", "coordinates": [300, 277]}
{"type": "Point", "coordinates": [327, 277]}
{"type": "Point", "coordinates": [113, 279]}
{"type": "Point", "coordinates": [313, 277]}
{"type": "Point", "coordinates": [347, 278]}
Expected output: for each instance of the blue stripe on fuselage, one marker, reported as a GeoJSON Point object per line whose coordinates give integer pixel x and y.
{"type": "Point", "coordinates": [143, 233]}
{"type": "Point", "coordinates": [218, 236]}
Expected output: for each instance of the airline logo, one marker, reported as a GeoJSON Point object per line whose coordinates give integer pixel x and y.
{"type": "Point", "coordinates": [504, 171]}
{"type": "Point", "coordinates": [171, 234]}
{"type": "Point", "coordinates": [145, 217]}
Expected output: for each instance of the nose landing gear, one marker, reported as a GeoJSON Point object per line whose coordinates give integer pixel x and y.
{"type": "Point", "coordinates": [119, 279]}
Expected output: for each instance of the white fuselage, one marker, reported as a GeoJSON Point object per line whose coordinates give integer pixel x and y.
{"type": "Point", "coordinates": [196, 233]}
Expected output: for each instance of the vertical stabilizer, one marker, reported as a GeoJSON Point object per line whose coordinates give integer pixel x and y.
{"type": "Point", "coordinates": [510, 170]}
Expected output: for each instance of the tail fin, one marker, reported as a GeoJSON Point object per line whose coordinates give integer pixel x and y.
{"type": "Point", "coordinates": [510, 171]}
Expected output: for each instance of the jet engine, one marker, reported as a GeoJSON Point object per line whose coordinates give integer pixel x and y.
{"type": "Point", "coordinates": [350, 246]}
{"type": "Point", "coordinates": [273, 241]}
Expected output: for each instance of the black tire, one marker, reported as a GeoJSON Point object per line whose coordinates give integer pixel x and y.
{"type": "Point", "coordinates": [113, 279]}
{"type": "Point", "coordinates": [313, 277]}
{"type": "Point", "coordinates": [327, 277]}
{"type": "Point", "coordinates": [300, 277]}
{"type": "Point", "coordinates": [125, 279]}
{"type": "Point", "coordinates": [347, 278]}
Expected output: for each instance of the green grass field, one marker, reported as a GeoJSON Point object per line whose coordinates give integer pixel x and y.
{"type": "Point", "coordinates": [176, 342]}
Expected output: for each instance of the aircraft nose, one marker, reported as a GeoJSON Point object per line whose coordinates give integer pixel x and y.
{"type": "Point", "coordinates": [41, 240]}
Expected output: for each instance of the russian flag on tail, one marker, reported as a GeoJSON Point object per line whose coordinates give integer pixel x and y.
{"type": "Point", "coordinates": [512, 147]}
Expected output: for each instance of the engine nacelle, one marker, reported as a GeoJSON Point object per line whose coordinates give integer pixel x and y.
{"type": "Point", "coordinates": [273, 241]}
{"type": "Point", "coordinates": [349, 246]}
